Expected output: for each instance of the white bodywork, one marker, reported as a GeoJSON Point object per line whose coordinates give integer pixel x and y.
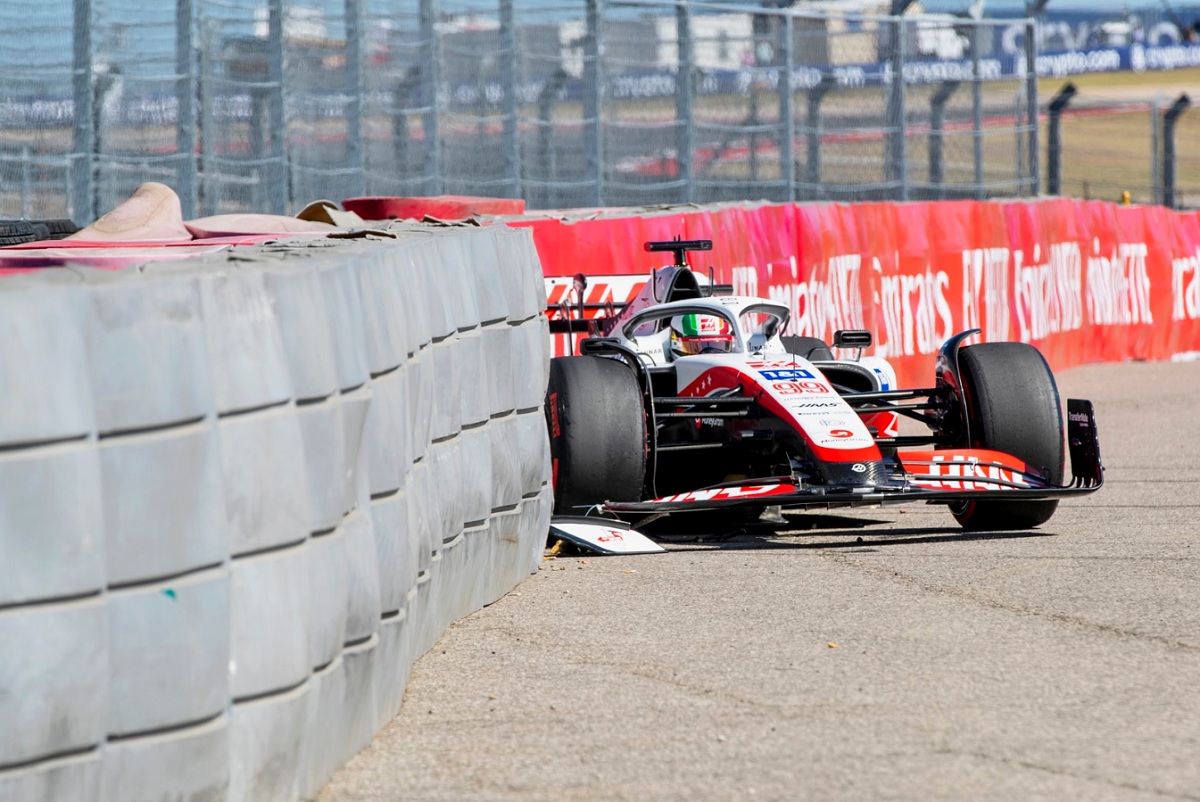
{"type": "Point", "coordinates": [791, 387]}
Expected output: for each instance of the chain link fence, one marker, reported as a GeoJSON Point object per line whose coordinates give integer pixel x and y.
{"type": "Point", "coordinates": [39, 160]}
{"type": "Point", "coordinates": [1114, 145]}
{"type": "Point", "coordinates": [246, 106]}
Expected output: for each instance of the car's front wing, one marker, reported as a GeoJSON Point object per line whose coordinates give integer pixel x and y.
{"type": "Point", "coordinates": [786, 494]}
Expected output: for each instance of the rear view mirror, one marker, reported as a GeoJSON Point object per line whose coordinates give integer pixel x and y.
{"type": "Point", "coordinates": [852, 338]}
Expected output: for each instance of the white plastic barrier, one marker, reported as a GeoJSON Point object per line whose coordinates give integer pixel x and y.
{"type": "Point", "coordinates": [239, 498]}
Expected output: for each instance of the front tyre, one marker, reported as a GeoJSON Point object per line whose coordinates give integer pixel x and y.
{"type": "Point", "coordinates": [597, 428]}
{"type": "Point", "coordinates": [1012, 405]}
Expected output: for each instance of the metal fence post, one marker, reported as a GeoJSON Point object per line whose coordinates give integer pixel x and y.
{"type": "Point", "coordinates": [592, 76]}
{"type": "Point", "coordinates": [593, 144]}
{"type": "Point", "coordinates": [787, 115]}
{"type": "Point", "coordinates": [1054, 143]}
{"type": "Point", "coordinates": [1031, 103]}
{"type": "Point", "coordinates": [683, 103]}
{"type": "Point", "coordinates": [185, 141]}
{"type": "Point", "coordinates": [203, 115]}
{"type": "Point", "coordinates": [897, 173]}
{"type": "Point", "coordinates": [1020, 141]}
{"type": "Point", "coordinates": [549, 170]}
{"type": "Point", "coordinates": [812, 139]}
{"type": "Point", "coordinates": [402, 95]}
{"type": "Point", "coordinates": [82, 209]}
{"type": "Point", "coordinates": [508, 78]}
{"type": "Point", "coordinates": [1160, 101]}
{"type": "Point", "coordinates": [753, 123]}
{"type": "Point", "coordinates": [977, 114]}
{"type": "Point", "coordinates": [429, 94]}
{"type": "Point", "coordinates": [276, 134]}
{"type": "Point", "coordinates": [356, 182]}
{"type": "Point", "coordinates": [937, 118]}
{"type": "Point", "coordinates": [1168, 170]}
{"type": "Point", "coordinates": [26, 182]}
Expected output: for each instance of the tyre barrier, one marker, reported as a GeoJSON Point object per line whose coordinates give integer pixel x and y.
{"type": "Point", "coordinates": [240, 495]}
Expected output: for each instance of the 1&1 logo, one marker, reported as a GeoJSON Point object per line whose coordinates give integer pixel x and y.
{"type": "Point", "coordinates": [786, 374]}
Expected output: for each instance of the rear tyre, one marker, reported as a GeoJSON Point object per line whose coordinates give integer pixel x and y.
{"type": "Point", "coordinates": [1012, 405]}
{"type": "Point", "coordinates": [814, 349]}
{"type": "Point", "coordinates": [597, 430]}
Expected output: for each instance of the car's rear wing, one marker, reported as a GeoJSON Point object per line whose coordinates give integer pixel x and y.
{"type": "Point", "coordinates": [576, 306]}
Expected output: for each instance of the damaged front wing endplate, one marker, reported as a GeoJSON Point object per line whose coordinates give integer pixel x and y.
{"type": "Point", "coordinates": [602, 535]}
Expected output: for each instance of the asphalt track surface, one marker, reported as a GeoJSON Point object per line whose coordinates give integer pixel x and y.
{"type": "Point", "coordinates": [874, 655]}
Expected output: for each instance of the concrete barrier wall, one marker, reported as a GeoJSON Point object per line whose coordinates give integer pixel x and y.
{"type": "Point", "coordinates": [240, 496]}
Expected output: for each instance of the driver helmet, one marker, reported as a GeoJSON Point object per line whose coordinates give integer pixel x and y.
{"type": "Point", "coordinates": [697, 334]}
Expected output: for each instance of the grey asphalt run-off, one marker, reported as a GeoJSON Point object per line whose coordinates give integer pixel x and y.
{"type": "Point", "coordinates": [872, 655]}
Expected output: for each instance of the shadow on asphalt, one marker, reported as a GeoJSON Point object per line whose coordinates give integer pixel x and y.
{"type": "Point", "coordinates": [829, 532]}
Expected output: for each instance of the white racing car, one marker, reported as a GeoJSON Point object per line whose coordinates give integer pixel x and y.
{"type": "Point", "coordinates": [687, 399]}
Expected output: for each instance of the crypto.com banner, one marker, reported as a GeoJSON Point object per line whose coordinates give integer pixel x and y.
{"type": "Point", "coordinates": [1084, 281]}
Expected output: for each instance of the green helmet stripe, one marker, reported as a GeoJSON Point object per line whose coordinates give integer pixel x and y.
{"type": "Point", "coordinates": [689, 326]}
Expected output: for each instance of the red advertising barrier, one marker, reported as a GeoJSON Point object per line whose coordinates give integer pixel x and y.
{"type": "Point", "coordinates": [1084, 281]}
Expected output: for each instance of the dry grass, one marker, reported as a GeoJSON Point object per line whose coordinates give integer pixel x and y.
{"type": "Point", "coordinates": [1109, 86]}
{"type": "Point", "coordinates": [1107, 135]}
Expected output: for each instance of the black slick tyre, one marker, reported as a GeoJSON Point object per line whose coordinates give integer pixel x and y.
{"type": "Point", "coordinates": [597, 428]}
{"type": "Point", "coordinates": [17, 232]}
{"type": "Point", "coordinates": [814, 349]}
{"type": "Point", "coordinates": [1013, 406]}
{"type": "Point", "coordinates": [58, 228]}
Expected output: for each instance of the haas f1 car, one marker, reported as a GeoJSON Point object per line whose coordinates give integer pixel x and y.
{"type": "Point", "coordinates": [690, 398]}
